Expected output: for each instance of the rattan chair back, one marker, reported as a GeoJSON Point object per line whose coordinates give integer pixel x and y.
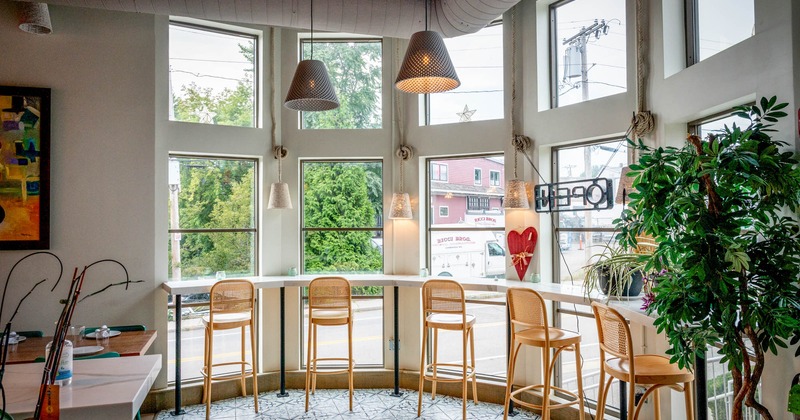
{"type": "Point", "coordinates": [443, 296]}
{"type": "Point", "coordinates": [613, 331]}
{"type": "Point", "coordinates": [331, 293]}
{"type": "Point", "coordinates": [232, 296]}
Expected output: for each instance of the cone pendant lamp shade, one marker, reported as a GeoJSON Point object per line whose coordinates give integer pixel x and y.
{"type": "Point", "coordinates": [401, 206]}
{"type": "Point", "coordinates": [311, 88]}
{"type": "Point", "coordinates": [516, 195]}
{"type": "Point", "coordinates": [34, 18]}
{"type": "Point", "coordinates": [279, 196]}
{"type": "Point", "coordinates": [427, 67]}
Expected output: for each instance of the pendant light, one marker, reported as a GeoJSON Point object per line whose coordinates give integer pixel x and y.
{"type": "Point", "coordinates": [279, 197]}
{"type": "Point", "coordinates": [427, 67]}
{"type": "Point", "coordinates": [401, 204]}
{"type": "Point", "coordinates": [34, 18]}
{"type": "Point", "coordinates": [311, 88]}
{"type": "Point", "coordinates": [516, 195]}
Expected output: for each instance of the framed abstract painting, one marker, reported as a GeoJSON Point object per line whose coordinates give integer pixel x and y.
{"type": "Point", "coordinates": [24, 168]}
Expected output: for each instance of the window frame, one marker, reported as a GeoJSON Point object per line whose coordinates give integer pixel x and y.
{"type": "Point", "coordinates": [341, 38]}
{"type": "Point", "coordinates": [257, 67]}
{"type": "Point", "coordinates": [691, 15]}
{"type": "Point", "coordinates": [494, 181]}
{"type": "Point", "coordinates": [446, 211]}
{"type": "Point", "coordinates": [446, 173]}
{"type": "Point", "coordinates": [693, 127]}
{"type": "Point", "coordinates": [477, 177]}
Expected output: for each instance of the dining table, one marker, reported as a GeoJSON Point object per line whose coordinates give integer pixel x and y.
{"type": "Point", "coordinates": [127, 343]}
{"type": "Point", "coordinates": [100, 389]}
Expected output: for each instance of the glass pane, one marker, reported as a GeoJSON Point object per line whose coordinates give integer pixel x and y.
{"type": "Point", "coordinates": [355, 70]}
{"type": "Point", "coordinates": [590, 161]}
{"type": "Point", "coordinates": [590, 353]}
{"type": "Point", "coordinates": [468, 254]}
{"type": "Point", "coordinates": [227, 344]}
{"type": "Point", "coordinates": [458, 199]}
{"type": "Point", "coordinates": [589, 50]}
{"type": "Point", "coordinates": [367, 335]}
{"type": "Point", "coordinates": [211, 76]}
{"type": "Point", "coordinates": [211, 194]}
{"type": "Point", "coordinates": [202, 255]}
{"type": "Point", "coordinates": [478, 59]}
{"type": "Point", "coordinates": [723, 23]}
{"type": "Point", "coordinates": [579, 249]}
{"type": "Point", "coordinates": [714, 127]}
{"type": "Point", "coordinates": [343, 252]}
{"type": "Point", "coordinates": [342, 195]}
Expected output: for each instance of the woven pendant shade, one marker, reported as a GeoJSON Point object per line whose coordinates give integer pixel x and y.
{"type": "Point", "coordinates": [427, 67]}
{"type": "Point", "coordinates": [311, 88]}
{"type": "Point", "coordinates": [279, 196]}
{"type": "Point", "coordinates": [516, 195]}
{"type": "Point", "coordinates": [401, 206]}
{"type": "Point", "coordinates": [34, 18]}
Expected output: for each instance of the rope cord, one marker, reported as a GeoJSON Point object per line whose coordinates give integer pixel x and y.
{"type": "Point", "coordinates": [520, 142]}
{"type": "Point", "coordinates": [642, 122]}
{"type": "Point", "coordinates": [278, 151]}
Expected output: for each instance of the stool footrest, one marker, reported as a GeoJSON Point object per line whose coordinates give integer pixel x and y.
{"type": "Point", "coordinates": [531, 388]}
{"type": "Point", "coordinates": [452, 376]}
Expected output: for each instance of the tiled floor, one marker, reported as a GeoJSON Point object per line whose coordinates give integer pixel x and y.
{"type": "Point", "coordinates": [368, 404]}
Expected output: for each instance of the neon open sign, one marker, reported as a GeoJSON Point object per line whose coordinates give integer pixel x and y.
{"type": "Point", "coordinates": [582, 195]}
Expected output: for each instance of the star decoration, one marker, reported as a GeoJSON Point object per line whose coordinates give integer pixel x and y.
{"type": "Point", "coordinates": [466, 114]}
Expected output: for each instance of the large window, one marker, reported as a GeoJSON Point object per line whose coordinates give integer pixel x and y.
{"type": "Point", "coordinates": [478, 59]}
{"type": "Point", "coordinates": [212, 234]}
{"type": "Point", "coordinates": [579, 236]}
{"type": "Point", "coordinates": [354, 66]}
{"type": "Point", "coordinates": [715, 123]}
{"type": "Point", "coordinates": [588, 50]}
{"type": "Point", "coordinates": [715, 25]}
{"type": "Point", "coordinates": [342, 230]}
{"type": "Point", "coordinates": [212, 76]}
{"type": "Point", "coordinates": [468, 240]}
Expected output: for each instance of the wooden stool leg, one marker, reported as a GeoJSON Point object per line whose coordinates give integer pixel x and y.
{"type": "Point", "coordinates": [602, 391]}
{"type": "Point", "coordinates": [254, 364]}
{"type": "Point", "coordinates": [657, 404]}
{"type": "Point", "coordinates": [209, 368]}
{"type": "Point", "coordinates": [512, 361]}
{"type": "Point", "coordinates": [435, 361]}
{"type": "Point", "coordinates": [422, 368]}
{"type": "Point", "coordinates": [464, 334]}
{"type": "Point", "coordinates": [314, 362]}
{"type": "Point", "coordinates": [546, 389]}
{"type": "Point", "coordinates": [205, 365]}
{"type": "Point", "coordinates": [350, 361]}
{"type": "Point", "coordinates": [472, 353]}
{"type": "Point", "coordinates": [308, 359]}
{"type": "Point", "coordinates": [242, 377]}
{"type": "Point", "coordinates": [580, 380]}
{"type": "Point", "coordinates": [688, 397]}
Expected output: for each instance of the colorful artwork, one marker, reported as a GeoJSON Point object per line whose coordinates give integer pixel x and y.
{"type": "Point", "coordinates": [24, 168]}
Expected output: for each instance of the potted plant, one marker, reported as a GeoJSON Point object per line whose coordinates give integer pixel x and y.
{"type": "Point", "coordinates": [723, 213]}
{"type": "Point", "coordinates": [615, 272]}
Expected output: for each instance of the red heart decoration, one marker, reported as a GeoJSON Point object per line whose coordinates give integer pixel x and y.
{"type": "Point", "coordinates": [521, 246]}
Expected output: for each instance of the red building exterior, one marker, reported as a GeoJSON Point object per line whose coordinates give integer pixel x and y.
{"type": "Point", "coordinates": [464, 189]}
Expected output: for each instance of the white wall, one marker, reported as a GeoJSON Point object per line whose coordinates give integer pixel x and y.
{"type": "Point", "coordinates": [99, 66]}
{"type": "Point", "coordinates": [111, 139]}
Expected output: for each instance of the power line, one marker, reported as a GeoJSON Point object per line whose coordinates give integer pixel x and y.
{"type": "Point", "coordinates": [210, 61]}
{"type": "Point", "coordinates": [207, 75]}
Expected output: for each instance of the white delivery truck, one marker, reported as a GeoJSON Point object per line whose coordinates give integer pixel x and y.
{"type": "Point", "coordinates": [468, 254]}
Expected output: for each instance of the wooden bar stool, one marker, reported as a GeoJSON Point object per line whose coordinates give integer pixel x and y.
{"type": "Point", "coordinates": [329, 303]}
{"type": "Point", "coordinates": [232, 305]}
{"type": "Point", "coordinates": [529, 327]}
{"type": "Point", "coordinates": [444, 307]}
{"type": "Point", "coordinates": [651, 370]}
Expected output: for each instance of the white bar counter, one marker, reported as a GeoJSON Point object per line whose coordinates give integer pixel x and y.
{"type": "Point", "coordinates": [111, 388]}
{"type": "Point", "coordinates": [630, 308]}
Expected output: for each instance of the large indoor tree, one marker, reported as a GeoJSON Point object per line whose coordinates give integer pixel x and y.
{"type": "Point", "coordinates": [723, 211]}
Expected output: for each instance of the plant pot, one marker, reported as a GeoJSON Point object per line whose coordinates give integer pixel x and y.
{"type": "Point", "coordinates": [634, 287]}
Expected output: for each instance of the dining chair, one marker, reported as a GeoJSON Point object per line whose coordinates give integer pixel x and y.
{"type": "Point", "coordinates": [329, 304]}
{"type": "Point", "coordinates": [528, 315]}
{"type": "Point", "coordinates": [649, 370]}
{"type": "Point", "coordinates": [231, 306]}
{"type": "Point", "coordinates": [444, 308]}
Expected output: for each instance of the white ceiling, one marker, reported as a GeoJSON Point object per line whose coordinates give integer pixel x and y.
{"type": "Point", "coordinates": [392, 18]}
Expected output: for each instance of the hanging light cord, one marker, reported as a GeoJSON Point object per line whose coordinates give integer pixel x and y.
{"type": "Point", "coordinates": [426, 15]}
{"type": "Point", "coordinates": [312, 29]}
{"type": "Point", "coordinates": [404, 152]}
{"type": "Point", "coordinates": [278, 151]}
{"type": "Point", "coordinates": [643, 122]}
{"type": "Point", "coordinates": [520, 142]}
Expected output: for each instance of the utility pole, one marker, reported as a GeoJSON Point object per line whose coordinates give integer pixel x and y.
{"type": "Point", "coordinates": [579, 42]}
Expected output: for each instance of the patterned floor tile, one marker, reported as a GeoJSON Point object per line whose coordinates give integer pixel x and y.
{"type": "Point", "coordinates": [333, 404]}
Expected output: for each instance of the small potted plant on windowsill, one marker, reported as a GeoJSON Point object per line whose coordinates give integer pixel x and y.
{"type": "Point", "coordinates": [616, 272]}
